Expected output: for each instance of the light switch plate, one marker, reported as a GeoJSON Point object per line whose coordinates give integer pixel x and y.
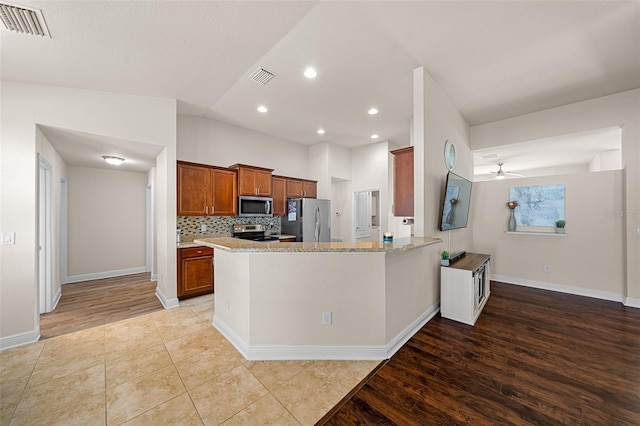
{"type": "Point", "coordinates": [8, 238]}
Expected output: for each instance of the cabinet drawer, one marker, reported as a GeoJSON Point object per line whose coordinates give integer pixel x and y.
{"type": "Point", "coordinates": [197, 251]}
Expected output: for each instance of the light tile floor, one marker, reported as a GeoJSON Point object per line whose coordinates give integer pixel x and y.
{"type": "Point", "coordinates": [168, 367]}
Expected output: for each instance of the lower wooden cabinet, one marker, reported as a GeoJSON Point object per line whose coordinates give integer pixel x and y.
{"type": "Point", "coordinates": [195, 271]}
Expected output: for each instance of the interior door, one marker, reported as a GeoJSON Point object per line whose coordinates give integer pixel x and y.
{"type": "Point", "coordinates": [363, 214]}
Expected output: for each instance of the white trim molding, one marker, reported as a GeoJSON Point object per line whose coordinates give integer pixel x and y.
{"type": "Point", "coordinates": [578, 291]}
{"type": "Point", "coordinates": [106, 274]}
{"type": "Point", "coordinates": [56, 299]}
{"type": "Point", "coordinates": [290, 352]}
{"type": "Point", "coordinates": [631, 302]}
{"type": "Point", "coordinates": [167, 303]}
{"type": "Point", "coordinates": [19, 339]}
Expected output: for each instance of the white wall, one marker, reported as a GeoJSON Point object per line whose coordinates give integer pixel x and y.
{"type": "Point", "coordinates": [107, 223]}
{"type": "Point", "coordinates": [436, 120]}
{"type": "Point", "coordinates": [370, 171]}
{"type": "Point", "coordinates": [201, 140]}
{"type": "Point", "coordinates": [589, 259]}
{"type": "Point", "coordinates": [59, 172]}
{"type": "Point", "coordinates": [622, 109]}
{"type": "Point", "coordinates": [23, 107]}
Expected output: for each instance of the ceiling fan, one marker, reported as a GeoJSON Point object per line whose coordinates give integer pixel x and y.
{"type": "Point", "coordinates": [500, 174]}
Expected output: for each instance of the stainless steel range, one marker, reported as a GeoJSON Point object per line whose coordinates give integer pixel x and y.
{"type": "Point", "coordinates": [253, 232]}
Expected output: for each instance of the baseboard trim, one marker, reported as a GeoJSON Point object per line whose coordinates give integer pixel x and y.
{"type": "Point", "coordinates": [154, 277]}
{"type": "Point", "coordinates": [293, 352]}
{"type": "Point", "coordinates": [578, 291]}
{"type": "Point", "coordinates": [631, 302]}
{"type": "Point", "coordinates": [56, 299]}
{"type": "Point", "coordinates": [106, 274]}
{"type": "Point", "coordinates": [167, 303]}
{"type": "Point", "coordinates": [19, 339]}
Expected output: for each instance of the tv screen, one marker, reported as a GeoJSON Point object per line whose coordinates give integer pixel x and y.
{"type": "Point", "coordinates": [455, 203]}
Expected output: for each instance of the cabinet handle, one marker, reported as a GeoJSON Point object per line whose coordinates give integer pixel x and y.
{"type": "Point", "coordinates": [206, 210]}
{"type": "Point", "coordinates": [199, 251]}
{"type": "Point", "coordinates": [213, 210]}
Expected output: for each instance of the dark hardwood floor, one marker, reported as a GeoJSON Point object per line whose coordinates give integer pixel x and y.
{"type": "Point", "coordinates": [534, 357]}
{"type": "Point", "coordinates": [92, 303]}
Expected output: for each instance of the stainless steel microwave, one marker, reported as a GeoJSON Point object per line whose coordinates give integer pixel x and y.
{"type": "Point", "coordinates": [255, 206]}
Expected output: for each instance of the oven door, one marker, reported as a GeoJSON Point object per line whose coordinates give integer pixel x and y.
{"type": "Point", "coordinates": [255, 206]}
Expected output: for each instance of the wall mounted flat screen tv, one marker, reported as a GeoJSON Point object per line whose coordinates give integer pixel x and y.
{"type": "Point", "coordinates": [455, 203]}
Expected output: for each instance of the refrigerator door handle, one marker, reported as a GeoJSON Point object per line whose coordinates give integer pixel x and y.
{"type": "Point", "coordinates": [316, 233]}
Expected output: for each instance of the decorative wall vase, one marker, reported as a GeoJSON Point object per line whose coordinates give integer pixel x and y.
{"type": "Point", "coordinates": [512, 221]}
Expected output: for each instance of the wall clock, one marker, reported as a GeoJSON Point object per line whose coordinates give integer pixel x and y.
{"type": "Point", "coordinates": [449, 155]}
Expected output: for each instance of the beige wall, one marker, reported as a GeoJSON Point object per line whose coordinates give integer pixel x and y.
{"type": "Point", "coordinates": [622, 109]}
{"type": "Point", "coordinates": [23, 107]}
{"type": "Point", "coordinates": [206, 141]}
{"type": "Point", "coordinates": [588, 260]}
{"type": "Point", "coordinates": [107, 223]}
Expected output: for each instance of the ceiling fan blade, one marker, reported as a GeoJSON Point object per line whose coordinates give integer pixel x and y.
{"type": "Point", "coordinates": [514, 174]}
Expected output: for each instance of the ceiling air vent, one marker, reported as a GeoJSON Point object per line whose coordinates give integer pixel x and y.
{"type": "Point", "coordinates": [23, 20]}
{"type": "Point", "coordinates": [262, 76]}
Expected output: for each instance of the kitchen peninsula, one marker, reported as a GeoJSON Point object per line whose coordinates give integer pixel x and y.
{"type": "Point", "coordinates": [321, 300]}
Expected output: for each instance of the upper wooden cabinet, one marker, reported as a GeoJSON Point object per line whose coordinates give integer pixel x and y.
{"type": "Point", "coordinates": [310, 189]}
{"type": "Point", "coordinates": [302, 188]}
{"type": "Point", "coordinates": [206, 190]}
{"type": "Point", "coordinates": [279, 187]}
{"type": "Point", "coordinates": [253, 180]}
{"type": "Point", "coordinates": [403, 182]}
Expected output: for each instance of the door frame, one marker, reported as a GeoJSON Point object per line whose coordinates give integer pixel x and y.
{"type": "Point", "coordinates": [45, 270]}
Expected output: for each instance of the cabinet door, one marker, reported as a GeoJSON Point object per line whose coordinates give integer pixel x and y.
{"type": "Point", "coordinates": [193, 190]}
{"type": "Point", "coordinates": [403, 182]}
{"type": "Point", "coordinates": [279, 186]}
{"type": "Point", "coordinates": [263, 183]}
{"type": "Point", "coordinates": [246, 181]}
{"type": "Point", "coordinates": [310, 188]}
{"type": "Point", "coordinates": [197, 275]}
{"type": "Point", "coordinates": [294, 188]}
{"type": "Point", "coordinates": [224, 192]}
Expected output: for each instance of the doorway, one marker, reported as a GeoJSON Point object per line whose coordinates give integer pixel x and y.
{"type": "Point", "coordinates": [45, 270]}
{"type": "Point", "coordinates": [366, 214]}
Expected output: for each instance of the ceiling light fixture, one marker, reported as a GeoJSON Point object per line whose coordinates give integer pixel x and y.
{"type": "Point", "coordinates": [310, 73]}
{"type": "Point", "coordinates": [375, 136]}
{"type": "Point", "coordinates": [114, 161]}
{"type": "Point", "coordinates": [262, 109]}
{"type": "Point", "coordinates": [373, 111]}
{"type": "Point", "coordinates": [321, 131]}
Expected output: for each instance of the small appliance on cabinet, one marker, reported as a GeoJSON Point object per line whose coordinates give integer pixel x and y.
{"type": "Point", "coordinates": [309, 219]}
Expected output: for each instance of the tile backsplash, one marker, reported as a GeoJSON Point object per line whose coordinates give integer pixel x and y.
{"type": "Point", "coordinates": [218, 226]}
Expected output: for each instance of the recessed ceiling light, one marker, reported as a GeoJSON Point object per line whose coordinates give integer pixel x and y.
{"type": "Point", "coordinates": [321, 131]}
{"type": "Point", "coordinates": [310, 73]}
{"type": "Point", "coordinates": [114, 161]}
{"type": "Point", "coordinates": [375, 136]}
{"type": "Point", "coordinates": [262, 108]}
{"type": "Point", "coordinates": [373, 111]}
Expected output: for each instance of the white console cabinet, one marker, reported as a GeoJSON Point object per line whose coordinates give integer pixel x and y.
{"type": "Point", "coordinates": [465, 288]}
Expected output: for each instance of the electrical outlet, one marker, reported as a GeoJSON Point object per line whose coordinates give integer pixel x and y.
{"type": "Point", "coordinates": [547, 269]}
{"type": "Point", "coordinates": [203, 227]}
{"type": "Point", "coordinates": [326, 318]}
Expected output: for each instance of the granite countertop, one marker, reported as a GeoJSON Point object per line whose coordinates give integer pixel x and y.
{"type": "Point", "coordinates": [237, 245]}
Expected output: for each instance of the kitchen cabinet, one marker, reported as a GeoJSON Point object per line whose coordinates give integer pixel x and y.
{"type": "Point", "coordinates": [465, 288]}
{"type": "Point", "coordinates": [206, 190]}
{"type": "Point", "coordinates": [310, 189]}
{"type": "Point", "coordinates": [279, 188]}
{"type": "Point", "coordinates": [195, 271]}
{"type": "Point", "coordinates": [403, 182]}
{"type": "Point", "coordinates": [253, 180]}
{"type": "Point", "coordinates": [302, 188]}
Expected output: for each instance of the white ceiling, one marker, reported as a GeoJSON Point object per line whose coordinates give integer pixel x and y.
{"type": "Point", "coordinates": [493, 59]}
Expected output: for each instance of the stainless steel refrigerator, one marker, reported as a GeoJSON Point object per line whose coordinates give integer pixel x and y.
{"type": "Point", "coordinates": [308, 219]}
